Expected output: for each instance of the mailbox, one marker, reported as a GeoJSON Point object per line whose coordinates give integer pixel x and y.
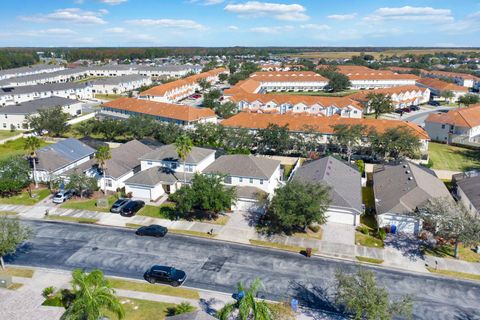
{"type": "Point", "coordinates": [5, 281]}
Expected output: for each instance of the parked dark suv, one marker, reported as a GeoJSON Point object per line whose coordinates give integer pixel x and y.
{"type": "Point", "coordinates": [164, 274]}
{"type": "Point", "coordinates": [131, 208]}
{"type": "Point", "coordinates": [153, 230]}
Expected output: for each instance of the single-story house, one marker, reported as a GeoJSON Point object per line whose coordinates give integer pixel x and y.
{"type": "Point", "coordinates": [345, 183]}
{"type": "Point", "coordinates": [455, 125]}
{"type": "Point", "coordinates": [162, 171]}
{"type": "Point", "coordinates": [15, 117]}
{"type": "Point", "coordinates": [56, 159]}
{"type": "Point", "coordinates": [400, 190]}
{"type": "Point", "coordinates": [254, 178]}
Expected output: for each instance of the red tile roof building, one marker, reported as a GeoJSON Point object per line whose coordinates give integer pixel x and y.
{"type": "Point", "coordinates": [402, 96]}
{"type": "Point", "coordinates": [161, 111]}
{"type": "Point", "coordinates": [437, 87]}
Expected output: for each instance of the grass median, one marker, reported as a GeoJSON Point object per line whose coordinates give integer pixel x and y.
{"type": "Point", "coordinates": [369, 260]}
{"type": "Point", "coordinates": [154, 288]}
{"type": "Point", "coordinates": [455, 274]}
{"type": "Point", "coordinates": [280, 246]}
{"type": "Point", "coordinates": [18, 272]}
{"type": "Point", "coordinates": [73, 219]}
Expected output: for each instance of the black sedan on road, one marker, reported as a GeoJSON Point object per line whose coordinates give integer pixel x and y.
{"type": "Point", "coordinates": [153, 230]}
{"type": "Point", "coordinates": [131, 208]}
{"type": "Point", "coordinates": [164, 274]}
{"type": "Point", "coordinates": [118, 205]}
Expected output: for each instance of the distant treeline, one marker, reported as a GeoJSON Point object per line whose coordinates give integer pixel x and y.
{"type": "Point", "coordinates": [12, 58]}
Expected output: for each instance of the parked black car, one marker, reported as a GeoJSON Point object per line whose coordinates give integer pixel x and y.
{"type": "Point", "coordinates": [131, 208]}
{"type": "Point", "coordinates": [165, 274]}
{"type": "Point", "coordinates": [434, 103]}
{"type": "Point", "coordinates": [153, 230]}
{"type": "Point", "coordinates": [414, 108]}
{"type": "Point", "coordinates": [118, 205]}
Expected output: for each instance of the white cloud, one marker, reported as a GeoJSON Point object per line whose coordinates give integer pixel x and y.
{"type": "Point", "coordinates": [233, 28]}
{"type": "Point", "coordinates": [469, 24]}
{"type": "Point", "coordinates": [72, 15]}
{"type": "Point", "coordinates": [317, 27]}
{"type": "Point", "coordinates": [115, 30]}
{"type": "Point", "coordinates": [272, 30]}
{"type": "Point", "coordinates": [207, 2]}
{"type": "Point", "coordinates": [411, 14]}
{"type": "Point", "coordinates": [167, 23]}
{"type": "Point", "coordinates": [287, 12]}
{"type": "Point", "coordinates": [342, 17]}
{"type": "Point", "coordinates": [113, 2]}
{"type": "Point", "coordinates": [48, 32]}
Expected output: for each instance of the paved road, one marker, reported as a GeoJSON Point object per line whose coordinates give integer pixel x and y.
{"type": "Point", "coordinates": [419, 117]}
{"type": "Point", "coordinates": [219, 266]}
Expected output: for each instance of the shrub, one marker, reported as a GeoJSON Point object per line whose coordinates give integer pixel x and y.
{"type": "Point", "coordinates": [382, 234]}
{"type": "Point", "coordinates": [47, 292]}
{"type": "Point", "coordinates": [183, 307]}
{"type": "Point", "coordinates": [314, 228]}
{"type": "Point", "coordinates": [363, 229]}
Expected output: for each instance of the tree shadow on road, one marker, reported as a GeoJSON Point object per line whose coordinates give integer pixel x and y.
{"type": "Point", "coordinates": [407, 244]}
{"type": "Point", "coordinates": [315, 298]}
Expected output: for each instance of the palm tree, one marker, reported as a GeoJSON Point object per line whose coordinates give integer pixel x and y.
{"type": "Point", "coordinates": [103, 154]}
{"type": "Point", "coordinates": [31, 145]}
{"type": "Point", "coordinates": [93, 297]}
{"type": "Point", "coordinates": [183, 146]}
{"type": "Point", "coordinates": [248, 307]}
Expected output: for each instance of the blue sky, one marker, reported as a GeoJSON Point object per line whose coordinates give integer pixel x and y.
{"type": "Point", "coordinates": [240, 23]}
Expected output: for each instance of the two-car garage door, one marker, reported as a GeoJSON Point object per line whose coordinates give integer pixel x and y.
{"type": "Point", "coordinates": [248, 205]}
{"type": "Point", "coordinates": [338, 215]}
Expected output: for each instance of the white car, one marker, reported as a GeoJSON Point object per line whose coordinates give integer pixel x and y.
{"type": "Point", "coordinates": [63, 196]}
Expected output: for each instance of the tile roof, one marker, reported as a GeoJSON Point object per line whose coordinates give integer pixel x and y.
{"type": "Point", "coordinates": [471, 188]}
{"type": "Point", "coordinates": [362, 95]}
{"type": "Point", "coordinates": [345, 181]}
{"type": "Point", "coordinates": [58, 155]}
{"type": "Point", "coordinates": [446, 74]}
{"type": "Point", "coordinates": [162, 89]}
{"type": "Point", "coordinates": [169, 153]}
{"type": "Point", "coordinates": [403, 188]}
{"type": "Point", "coordinates": [364, 73]}
{"type": "Point", "coordinates": [244, 166]}
{"type": "Point", "coordinates": [294, 99]}
{"type": "Point", "coordinates": [161, 109]}
{"type": "Point", "coordinates": [322, 125]}
{"type": "Point", "coordinates": [288, 76]}
{"type": "Point", "coordinates": [463, 117]}
{"type": "Point", "coordinates": [441, 85]}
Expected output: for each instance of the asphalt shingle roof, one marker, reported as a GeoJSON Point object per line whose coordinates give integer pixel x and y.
{"type": "Point", "coordinates": [345, 181]}
{"type": "Point", "coordinates": [61, 154]}
{"type": "Point", "coordinates": [34, 106]}
{"type": "Point", "coordinates": [168, 153]}
{"type": "Point", "coordinates": [403, 188]}
{"type": "Point", "coordinates": [244, 166]}
{"type": "Point", "coordinates": [156, 175]}
{"type": "Point", "coordinates": [471, 188]}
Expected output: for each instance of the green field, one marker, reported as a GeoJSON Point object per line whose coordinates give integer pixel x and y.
{"type": "Point", "coordinates": [108, 96]}
{"type": "Point", "coordinates": [445, 157]}
{"type": "Point", "coordinates": [25, 199]}
{"type": "Point", "coordinates": [15, 148]}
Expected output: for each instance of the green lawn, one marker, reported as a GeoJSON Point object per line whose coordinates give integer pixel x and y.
{"type": "Point", "coordinates": [369, 260]}
{"type": "Point", "coordinates": [445, 157]}
{"type": "Point", "coordinates": [165, 211]}
{"type": "Point", "coordinates": [18, 272]}
{"type": "Point", "coordinates": [15, 148]}
{"type": "Point", "coordinates": [447, 251]}
{"type": "Point", "coordinates": [8, 213]}
{"type": "Point", "coordinates": [88, 79]}
{"type": "Point", "coordinates": [367, 240]}
{"type": "Point", "coordinates": [455, 274]}
{"type": "Point", "coordinates": [368, 197]}
{"type": "Point", "coordinates": [278, 246]}
{"type": "Point", "coordinates": [25, 199]}
{"type": "Point", "coordinates": [88, 204]}
{"type": "Point", "coordinates": [153, 288]}
{"type": "Point", "coordinates": [108, 96]}
{"type": "Point", "coordinates": [136, 309]}
{"type": "Point", "coordinates": [7, 134]}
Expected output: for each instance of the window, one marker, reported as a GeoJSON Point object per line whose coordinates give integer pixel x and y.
{"type": "Point", "coordinates": [4, 125]}
{"type": "Point", "coordinates": [149, 163]}
{"type": "Point", "coordinates": [240, 179]}
{"type": "Point", "coordinates": [108, 183]}
{"type": "Point", "coordinates": [251, 180]}
{"type": "Point", "coordinates": [261, 181]}
{"type": "Point", "coordinates": [227, 180]}
{"type": "Point", "coordinates": [443, 126]}
{"type": "Point", "coordinates": [189, 168]}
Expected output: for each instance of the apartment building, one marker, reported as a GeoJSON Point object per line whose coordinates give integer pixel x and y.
{"type": "Point", "coordinates": [175, 91]}
{"type": "Point", "coordinates": [121, 84]}
{"type": "Point", "coordinates": [17, 95]}
{"type": "Point", "coordinates": [26, 71]}
{"type": "Point", "coordinates": [462, 79]}
{"type": "Point", "coordinates": [289, 81]}
{"type": "Point", "coordinates": [365, 78]}
{"type": "Point", "coordinates": [160, 111]}
{"type": "Point", "coordinates": [437, 87]}
{"type": "Point", "coordinates": [401, 97]}
{"type": "Point", "coordinates": [284, 103]}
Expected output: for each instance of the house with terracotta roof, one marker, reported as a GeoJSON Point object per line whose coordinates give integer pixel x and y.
{"type": "Point", "coordinates": [160, 111]}
{"type": "Point", "coordinates": [284, 103]}
{"type": "Point", "coordinates": [437, 86]}
{"type": "Point", "coordinates": [366, 78]}
{"type": "Point", "coordinates": [175, 91]}
{"type": "Point", "coordinates": [402, 96]}
{"type": "Point", "coordinates": [462, 79]}
{"type": "Point", "coordinates": [301, 123]}
{"type": "Point", "coordinates": [458, 125]}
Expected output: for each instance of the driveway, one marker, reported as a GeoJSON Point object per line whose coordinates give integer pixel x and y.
{"type": "Point", "coordinates": [338, 233]}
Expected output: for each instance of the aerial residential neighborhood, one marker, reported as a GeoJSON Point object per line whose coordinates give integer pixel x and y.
{"type": "Point", "coordinates": [250, 160]}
